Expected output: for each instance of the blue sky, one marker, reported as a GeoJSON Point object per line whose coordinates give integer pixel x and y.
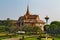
{"type": "Point", "coordinates": [13, 9]}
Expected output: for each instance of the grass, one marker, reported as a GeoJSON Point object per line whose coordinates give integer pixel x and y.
{"type": "Point", "coordinates": [33, 38]}
{"type": "Point", "coordinates": [56, 38]}
{"type": "Point", "coordinates": [5, 36]}
{"type": "Point", "coordinates": [27, 38]}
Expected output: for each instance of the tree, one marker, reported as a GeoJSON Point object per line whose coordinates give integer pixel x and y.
{"type": "Point", "coordinates": [36, 29]}
{"type": "Point", "coordinates": [53, 28]}
{"type": "Point", "coordinates": [46, 28]}
{"type": "Point", "coordinates": [31, 29]}
{"type": "Point", "coordinates": [26, 28]}
{"type": "Point", "coordinates": [57, 23]}
{"type": "Point", "coordinates": [56, 26]}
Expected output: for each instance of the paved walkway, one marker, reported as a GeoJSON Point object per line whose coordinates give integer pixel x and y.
{"type": "Point", "coordinates": [18, 38]}
{"type": "Point", "coordinates": [12, 39]}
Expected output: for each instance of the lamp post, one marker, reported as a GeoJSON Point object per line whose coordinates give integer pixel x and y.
{"type": "Point", "coordinates": [46, 18]}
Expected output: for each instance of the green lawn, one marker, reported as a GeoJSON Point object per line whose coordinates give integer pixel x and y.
{"type": "Point", "coordinates": [34, 38]}
{"type": "Point", "coordinates": [31, 38]}
{"type": "Point", "coordinates": [27, 38]}
{"type": "Point", "coordinates": [56, 38]}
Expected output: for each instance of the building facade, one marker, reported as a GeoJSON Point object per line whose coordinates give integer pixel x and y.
{"type": "Point", "coordinates": [29, 19]}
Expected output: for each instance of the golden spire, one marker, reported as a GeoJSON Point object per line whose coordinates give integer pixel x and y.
{"type": "Point", "coordinates": [27, 12]}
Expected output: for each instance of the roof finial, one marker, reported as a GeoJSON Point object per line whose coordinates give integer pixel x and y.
{"type": "Point", "coordinates": [27, 12]}
{"type": "Point", "coordinates": [27, 7]}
